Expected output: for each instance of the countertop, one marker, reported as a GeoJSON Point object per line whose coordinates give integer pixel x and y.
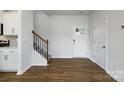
{"type": "Point", "coordinates": [8, 47]}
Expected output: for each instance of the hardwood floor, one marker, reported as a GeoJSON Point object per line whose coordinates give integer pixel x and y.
{"type": "Point", "coordinates": [61, 70]}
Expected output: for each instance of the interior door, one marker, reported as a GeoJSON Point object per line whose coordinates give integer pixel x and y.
{"type": "Point", "coordinates": [80, 44]}
{"type": "Point", "coordinates": [100, 42]}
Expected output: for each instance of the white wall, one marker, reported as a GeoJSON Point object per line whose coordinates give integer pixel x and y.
{"type": "Point", "coordinates": [59, 31]}
{"type": "Point", "coordinates": [38, 60]}
{"type": "Point", "coordinates": [25, 40]}
{"type": "Point", "coordinates": [61, 34]}
{"type": "Point", "coordinates": [115, 45]}
{"type": "Point", "coordinates": [41, 24]}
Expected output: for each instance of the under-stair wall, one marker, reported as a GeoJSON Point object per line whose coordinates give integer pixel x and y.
{"type": "Point", "coordinates": [38, 60]}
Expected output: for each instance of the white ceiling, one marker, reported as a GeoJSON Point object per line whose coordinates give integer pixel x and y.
{"type": "Point", "coordinates": [67, 12]}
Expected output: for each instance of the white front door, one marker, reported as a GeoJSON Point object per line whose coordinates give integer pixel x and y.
{"type": "Point", "coordinates": [100, 42]}
{"type": "Point", "coordinates": [80, 41]}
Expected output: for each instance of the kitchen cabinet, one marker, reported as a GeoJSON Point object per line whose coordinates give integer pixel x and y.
{"type": "Point", "coordinates": [8, 60]}
{"type": "Point", "coordinates": [0, 16]}
{"type": "Point", "coordinates": [1, 58]}
{"type": "Point", "coordinates": [10, 23]}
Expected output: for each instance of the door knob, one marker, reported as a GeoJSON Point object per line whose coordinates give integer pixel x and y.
{"type": "Point", "coordinates": [73, 41]}
{"type": "Point", "coordinates": [103, 46]}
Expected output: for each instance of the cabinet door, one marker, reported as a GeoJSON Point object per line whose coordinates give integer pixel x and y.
{"type": "Point", "coordinates": [10, 23]}
{"type": "Point", "coordinates": [1, 58]}
{"type": "Point", "coordinates": [10, 60]}
{"type": "Point", "coordinates": [0, 16]}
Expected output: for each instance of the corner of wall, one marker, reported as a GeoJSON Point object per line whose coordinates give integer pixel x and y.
{"type": "Point", "coordinates": [22, 71]}
{"type": "Point", "coordinates": [92, 59]}
{"type": "Point", "coordinates": [117, 75]}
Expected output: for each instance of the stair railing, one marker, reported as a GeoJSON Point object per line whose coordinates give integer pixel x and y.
{"type": "Point", "coordinates": [40, 45]}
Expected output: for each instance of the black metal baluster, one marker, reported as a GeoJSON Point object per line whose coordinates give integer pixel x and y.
{"type": "Point", "coordinates": [40, 46]}
{"type": "Point", "coordinates": [47, 51]}
{"type": "Point", "coordinates": [43, 47]}
{"type": "Point", "coordinates": [34, 42]}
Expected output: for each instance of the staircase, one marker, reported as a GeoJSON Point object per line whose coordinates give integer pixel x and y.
{"type": "Point", "coordinates": [40, 46]}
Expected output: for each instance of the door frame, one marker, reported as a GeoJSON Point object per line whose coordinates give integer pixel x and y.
{"type": "Point", "coordinates": [99, 19]}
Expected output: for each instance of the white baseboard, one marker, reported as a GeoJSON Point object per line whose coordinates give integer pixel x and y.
{"type": "Point", "coordinates": [39, 64]}
{"type": "Point", "coordinates": [61, 57]}
{"type": "Point", "coordinates": [24, 70]}
{"type": "Point", "coordinates": [117, 75]}
{"type": "Point", "coordinates": [92, 59]}
{"type": "Point", "coordinates": [8, 70]}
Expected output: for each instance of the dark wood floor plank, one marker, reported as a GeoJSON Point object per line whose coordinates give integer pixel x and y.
{"type": "Point", "coordinates": [61, 70]}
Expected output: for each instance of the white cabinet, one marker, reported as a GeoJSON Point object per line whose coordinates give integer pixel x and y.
{"type": "Point", "coordinates": [10, 23]}
{"type": "Point", "coordinates": [1, 58]}
{"type": "Point", "coordinates": [8, 60]}
{"type": "Point", "coordinates": [0, 16]}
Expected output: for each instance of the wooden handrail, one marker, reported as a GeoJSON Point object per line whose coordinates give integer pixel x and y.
{"type": "Point", "coordinates": [39, 36]}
